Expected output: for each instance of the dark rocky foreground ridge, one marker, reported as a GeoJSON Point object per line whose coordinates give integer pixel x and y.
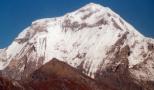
{"type": "Point", "coordinates": [57, 75]}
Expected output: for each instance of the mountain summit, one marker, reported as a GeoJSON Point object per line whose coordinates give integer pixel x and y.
{"type": "Point", "coordinates": [93, 39]}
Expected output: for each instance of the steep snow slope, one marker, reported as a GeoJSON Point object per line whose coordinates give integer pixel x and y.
{"type": "Point", "coordinates": [88, 39]}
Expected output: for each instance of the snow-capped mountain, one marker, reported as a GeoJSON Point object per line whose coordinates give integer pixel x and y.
{"type": "Point", "coordinates": [92, 39]}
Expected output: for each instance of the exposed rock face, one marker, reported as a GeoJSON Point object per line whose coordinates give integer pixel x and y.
{"type": "Point", "coordinates": [117, 73]}
{"type": "Point", "coordinates": [6, 84]}
{"type": "Point", "coordinates": [94, 40]}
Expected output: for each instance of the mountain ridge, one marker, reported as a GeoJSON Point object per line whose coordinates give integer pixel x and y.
{"type": "Point", "coordinates": [93, 39]}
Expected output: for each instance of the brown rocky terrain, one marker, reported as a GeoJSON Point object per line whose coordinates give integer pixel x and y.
{"type": "Point", "coordinates": [6, 84]}
{"type": "Point", "coordinates": [55, 75]}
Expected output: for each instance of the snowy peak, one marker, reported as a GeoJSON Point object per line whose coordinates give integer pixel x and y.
{"type": "Point", "coordinates": [91, 38]}
{"type": "Point", "coordinates": [92, 7]}
{"type": "Point", "coordinates": [89, 24]}
{"type": "Point", "coordinates": [90, 16]}
{"type": "Point", "coordinates": [95, 15]}
{"type": "Point", "coordinates": [95, 8]}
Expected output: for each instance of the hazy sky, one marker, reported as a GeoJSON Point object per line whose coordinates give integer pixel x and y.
{"type": "Point", "coordinates": [15, 15]}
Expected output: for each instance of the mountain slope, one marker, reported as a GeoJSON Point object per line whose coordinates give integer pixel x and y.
{"type": "Point", "coordinates": [57, 75]}
{"type": "Point", "coordinates": [6, 84]}
{"type": "Point", "coordinates": [93, 39]}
